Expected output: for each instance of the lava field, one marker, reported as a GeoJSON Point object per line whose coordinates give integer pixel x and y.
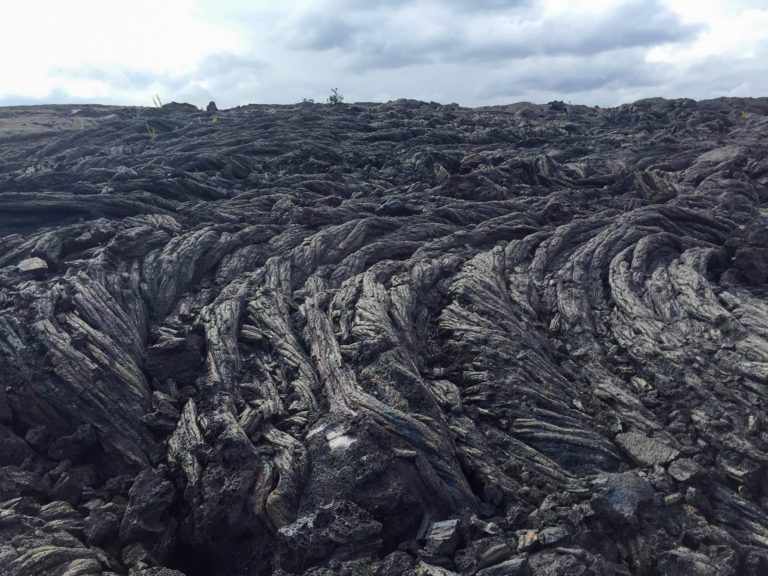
{"type": "Point", "coordinates": [384, 339]}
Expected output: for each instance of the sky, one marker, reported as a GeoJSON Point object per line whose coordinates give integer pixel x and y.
{"type": "Point", "coordinates": [470, 52]}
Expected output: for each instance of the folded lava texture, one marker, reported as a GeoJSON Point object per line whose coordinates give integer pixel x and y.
{"type": "Point", "coordinates": [384, 339]}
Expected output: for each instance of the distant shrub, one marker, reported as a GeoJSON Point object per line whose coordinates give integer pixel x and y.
{"type": "Point", "coordinates": [558, 106]}
{"type": "Point", "coordinates": [335, 97]}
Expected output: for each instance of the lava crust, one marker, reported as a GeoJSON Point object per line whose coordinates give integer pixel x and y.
{"type": "Point", "coordinates": [384, 339]}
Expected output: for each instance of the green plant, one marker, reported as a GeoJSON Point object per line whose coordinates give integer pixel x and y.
{"type": "Point", "coordinates": [151, 131]}
{"type": "Point", "coordinates": [214, 120]}
{"type": "Point", "coordinates": [158, 103]}
{"type": "Point", "coordinates": [335, 97]}
{"type": "Point", "coordinates": [307, 100]}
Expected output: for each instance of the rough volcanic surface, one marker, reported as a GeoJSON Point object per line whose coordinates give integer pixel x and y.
{"type": "Point", "coordinates": [384, 339]}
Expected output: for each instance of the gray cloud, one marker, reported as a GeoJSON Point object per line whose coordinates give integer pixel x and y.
{"type": "Point", "coordinates": [225, 63]}
{"type": "Point", "coordinates": [464, 6]}
{"type": "Point", "coordinates": [358, 6]}
{"type": "Point", "coordinates": [373, 39]}
{"type": "Point", "coordinates": [717, 76]}
{"type": "Point", "coordinates": [214, 75]}
{"type": "Point", "coordinates": [624, 75]}
{"type": "Point", "coordinates": [565, 76]}
{"type": "Point", "coordinates": [485, 52]}
{"type": "Point", "coordinates": [324, 32]}
{"type": "Point", "coordinates": [636, 23]}
{"type": "Point", "coordinates": [121, 79]}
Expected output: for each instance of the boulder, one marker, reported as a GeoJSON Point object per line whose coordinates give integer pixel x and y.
{"type": "Point", "coordinates": [621, 497]}
{"type": "Point", "coordinates": [644, 450]}
{"type": "Point", "coordinates": [36, 267]}
{"type": "Point", "coordinates": [684, 470]}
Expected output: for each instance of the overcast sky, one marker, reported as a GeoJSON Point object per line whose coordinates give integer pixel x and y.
{"type": "Point", "coordinates": [472, 52]}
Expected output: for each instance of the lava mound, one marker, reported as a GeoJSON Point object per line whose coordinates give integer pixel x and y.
{"type": "Point", "coordinates": [384, 339]}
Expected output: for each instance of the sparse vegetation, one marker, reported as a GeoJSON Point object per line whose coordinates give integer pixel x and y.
{"type": "Point", "coordinates": [558, 106]}
{"type": "Point", "coordinates": [156, 100]}
{"type": "Point", "coordinates": [335, 97]}
{"type": "Point", "coordinates": [151, 130]}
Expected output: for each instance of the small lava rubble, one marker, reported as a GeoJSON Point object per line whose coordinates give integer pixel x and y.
{"type": "Point", "coordinates": [384, 339]}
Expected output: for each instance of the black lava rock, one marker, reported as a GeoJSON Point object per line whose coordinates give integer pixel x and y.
{"type": "Point", "coordinates": [398, 338]}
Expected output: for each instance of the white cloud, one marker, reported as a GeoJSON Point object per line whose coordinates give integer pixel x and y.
{"type": "Point", "coordinates": [735, 35]}
{"type": "Point", "coordinates": [43, 42]}
{"type": "Point", "coordinates": [490, 51]}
